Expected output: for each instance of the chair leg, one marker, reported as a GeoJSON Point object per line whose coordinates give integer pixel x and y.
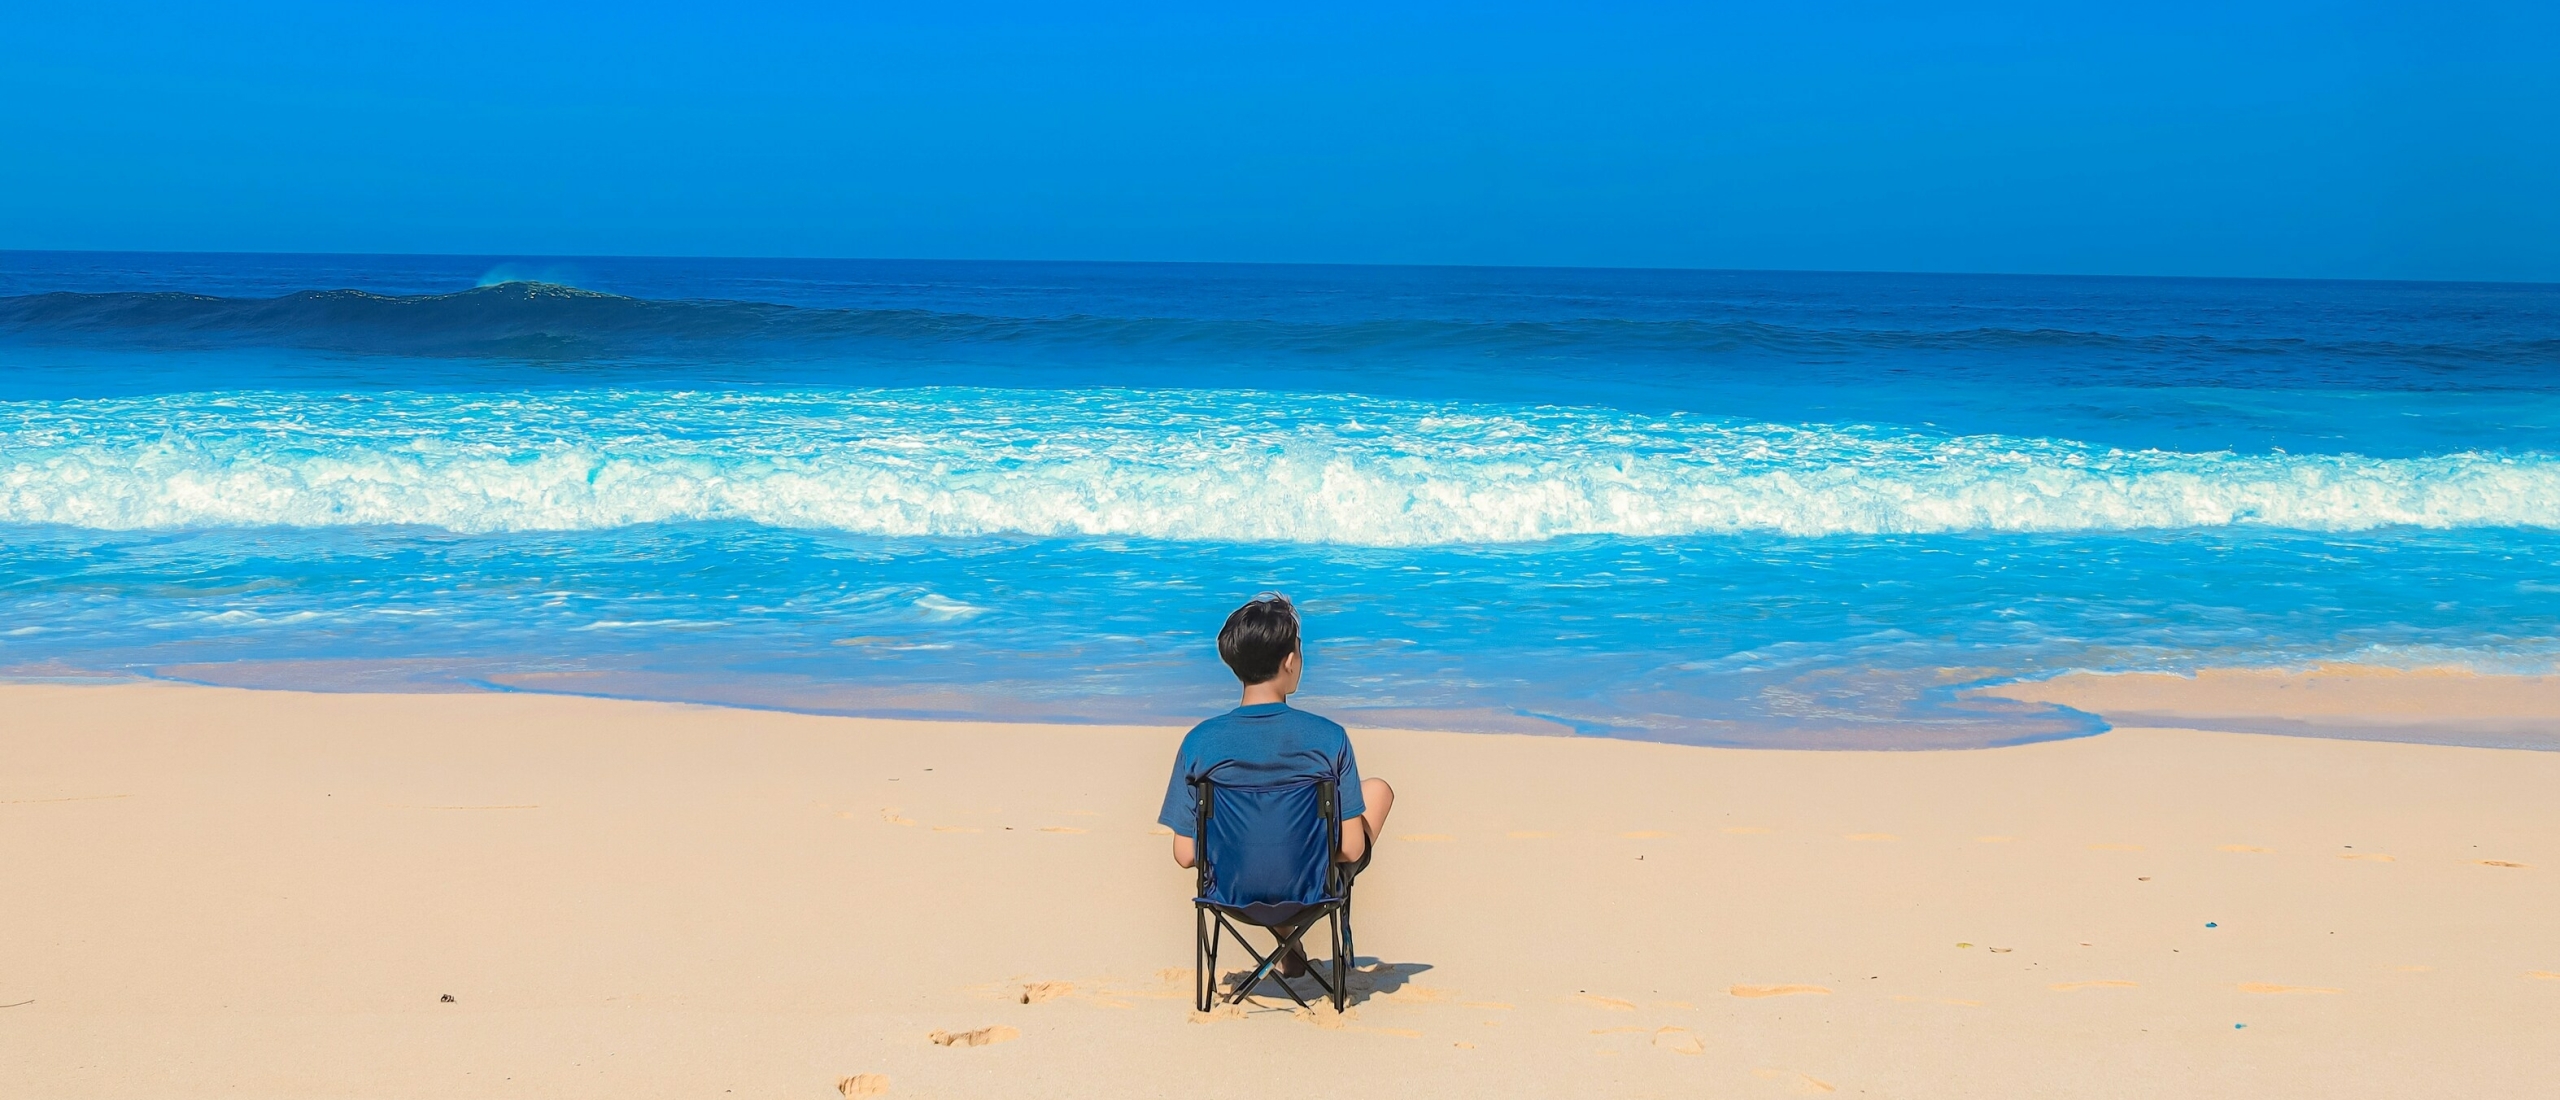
{"type": "Point", "coordinates": [1268, 966]}
{"type": "Point", "coordinates": [1204, 959]}
{"type": "Point", "coordinates": [1211, 930]}
{"type": "Point", "coordinates": [1286, 944]}
{"type": "Point", "coordinates": [1349, 950]}
{"type": "Point", "coordinates": [1341, 960]}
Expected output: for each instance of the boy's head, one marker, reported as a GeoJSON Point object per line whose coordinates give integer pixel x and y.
{"type": "Point", "coordinates": [1259, 637]}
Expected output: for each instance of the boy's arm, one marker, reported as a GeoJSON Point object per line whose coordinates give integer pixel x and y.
{"type": "Point", "coordinates": [1350, 803]}
{"type": "Point", "coordinates": [1352, 806]}
{"type": "Point", "coordinates": [1181, 811]}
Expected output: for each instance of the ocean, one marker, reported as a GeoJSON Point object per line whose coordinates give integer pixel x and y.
{"type": "Point", "coordinates": [1754, 508]}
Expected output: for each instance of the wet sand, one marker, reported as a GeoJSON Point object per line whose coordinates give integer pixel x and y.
{"type": "Point", "coordinates": [2440, 706]}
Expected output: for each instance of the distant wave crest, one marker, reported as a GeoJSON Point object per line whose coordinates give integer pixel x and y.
{"type": "Point", "coordinates": [534, 320]}
{"type": "Point", "coordinates": [1224, 467]}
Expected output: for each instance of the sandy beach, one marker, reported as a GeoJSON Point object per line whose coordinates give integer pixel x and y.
{"type": "Point", "coordinates": [271, 894]}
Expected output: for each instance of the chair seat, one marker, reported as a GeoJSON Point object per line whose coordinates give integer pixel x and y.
{"type": "Point", "coordinates": [1270, 913]}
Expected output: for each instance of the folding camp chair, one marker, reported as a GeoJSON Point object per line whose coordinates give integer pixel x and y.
{"type": "Point", "coordinates": [1266, 858]}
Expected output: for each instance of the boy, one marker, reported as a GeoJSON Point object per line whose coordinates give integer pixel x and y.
{"type": "Point", "coordinates": [1264, 741]}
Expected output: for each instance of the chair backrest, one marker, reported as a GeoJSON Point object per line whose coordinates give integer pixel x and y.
{"type": "Point", "coordinates": [1268, 847]}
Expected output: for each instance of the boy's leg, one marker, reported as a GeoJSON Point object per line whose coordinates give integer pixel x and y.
{"type": "Point", "coordinates": [1379, 799]}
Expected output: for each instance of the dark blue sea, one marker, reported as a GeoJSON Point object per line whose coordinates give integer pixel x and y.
{"type": "Point", "coordinates": [1726, 507]}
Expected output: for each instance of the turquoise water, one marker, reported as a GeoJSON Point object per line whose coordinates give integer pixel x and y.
{"type": "Point", "coordinates": [1757, 508]}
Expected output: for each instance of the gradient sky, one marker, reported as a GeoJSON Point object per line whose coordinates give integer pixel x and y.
{"type": "Point", "coordinates": [2322, 140]}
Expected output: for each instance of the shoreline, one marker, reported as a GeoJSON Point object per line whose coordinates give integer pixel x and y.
{"type": "Point", "coordinates": [2433, 705]}
{"type": "Point", "coordinates": [270, 891]}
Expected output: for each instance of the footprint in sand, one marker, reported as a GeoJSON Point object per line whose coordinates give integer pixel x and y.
{"type": "Point", "coordinates": [1801, 1083]}
{"type": "Point", "coordinates": [2369, 857]}
{"type": "Point", "coordinates": [1611, 1003]}
{"type": "Point", "coordinates": [1871, 836]}
{"type": "Point", "coordinates": [2074, 987]}
{"type": "Point", "coordinates": [1060, 829]}
{"type": "Point", "coordinates": [1774, 990]}
{"type": "Point", "coordinates": [2251, 848]}
{"type": "Point", "coordinates": [1038, 992]}
{"type": "Point", "coordinates": [2271, 987]}
{"type": "Point", "coordinates": [1678, 1040]}
{"type": "Point", "coordinates": [862, 1084]}
{"type": "Point", "coordinates": [985, 1036]}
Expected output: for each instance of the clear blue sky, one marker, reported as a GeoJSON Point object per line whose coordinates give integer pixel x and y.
{"type": "Point", "coordinates": [2329, 140]}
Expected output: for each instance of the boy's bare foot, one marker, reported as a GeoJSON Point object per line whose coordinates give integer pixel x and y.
{"type": "Point", "coordinates": [1293, 962]}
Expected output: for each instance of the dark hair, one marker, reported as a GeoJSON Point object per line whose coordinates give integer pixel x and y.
{"type": "Point", "coordinates": [1258, 636]}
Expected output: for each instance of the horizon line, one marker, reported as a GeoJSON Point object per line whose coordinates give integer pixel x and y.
{"type": "Point", "coordinates": [526, 256]}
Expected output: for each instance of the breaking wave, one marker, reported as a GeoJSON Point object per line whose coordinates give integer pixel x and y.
{"type": "Point", "coordinates": [1173, 465]}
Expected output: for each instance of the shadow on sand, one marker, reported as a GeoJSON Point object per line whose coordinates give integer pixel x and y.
{"type": "Point", "coordinates": [1370, 977]}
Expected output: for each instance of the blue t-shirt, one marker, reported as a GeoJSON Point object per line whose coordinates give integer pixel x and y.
{"type": "Point", "coordinates": [1260, 745]}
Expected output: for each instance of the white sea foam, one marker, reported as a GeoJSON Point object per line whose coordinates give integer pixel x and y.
{"type": "Point", "coordinates": [1228, 467]}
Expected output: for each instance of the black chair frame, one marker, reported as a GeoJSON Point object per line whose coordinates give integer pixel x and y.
{"type": "Point", "coordinates": [1212, 921]}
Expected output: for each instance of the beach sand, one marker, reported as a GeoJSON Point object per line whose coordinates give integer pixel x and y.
{"type": "Point", "coordinates": [269, 894]}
